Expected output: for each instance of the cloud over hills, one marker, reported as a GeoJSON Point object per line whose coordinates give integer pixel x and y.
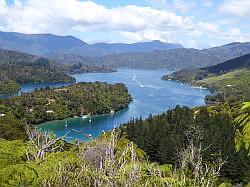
{"type": "Point", "coordinates": [130, 23]}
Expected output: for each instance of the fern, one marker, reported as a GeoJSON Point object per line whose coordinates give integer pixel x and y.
{"type": "Point", "coordinates": [244, 121]}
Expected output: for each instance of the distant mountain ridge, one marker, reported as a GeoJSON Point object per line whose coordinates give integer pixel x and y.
{"type": "Point", "coordinates": [143, 55]}
{"type": "Point", "coordinates": [38, 44]}
{"type": "Point", "coordinates": [118, 48]}
{"type": "Point", "coordinates": [49, 45]}
{"type": "Point", "coordinates": [180, 58]}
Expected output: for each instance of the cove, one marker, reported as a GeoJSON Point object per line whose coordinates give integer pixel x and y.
{"type": "Point", "coordinates": [151, 95]}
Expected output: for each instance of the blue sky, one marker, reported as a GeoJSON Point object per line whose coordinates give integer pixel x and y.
{"type": "Point", "coordinates": [192, 23]}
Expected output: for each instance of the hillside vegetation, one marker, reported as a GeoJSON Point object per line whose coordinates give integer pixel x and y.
{"type": "Point", "coordinates": [232, 86]}
{"type": "Point", "coordinates": [182, 147]}
{"type": "Point", "coordinates": [195, 138]}
{"type": "Point", "coordinates": [66, 102]}
{"type": "Point", "coordinates": [229, 80]}
{"type": "Point", "coordinates": [19, 68]}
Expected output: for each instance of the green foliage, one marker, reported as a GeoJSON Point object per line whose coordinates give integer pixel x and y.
{"type": "Point", "coordinates": [166, 136]}
{"type": "Point", "coordinates": [9, 87]}
{"type": "Point", "coordinates": [75, 100]}
{"type": "Point", "coordinates": [18, 68]}
{"type": "Point", "coordinates": [232, 86]}
{"type": "Point", "coordinates": [120, 166]}
{"type": "Point", "coordinates": [11, 128]}
{"type": "Point", "coordinates": [11, 153]}
{"type": "Point", "coordinates": [244, 126]}
{"type": "Point", "coordinates": [83, 68]}
{"type": "Point", "coordinates": [114, 160]}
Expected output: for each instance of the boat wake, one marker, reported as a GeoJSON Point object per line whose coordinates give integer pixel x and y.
{"type": "Point", "coordinates": [134, 78]}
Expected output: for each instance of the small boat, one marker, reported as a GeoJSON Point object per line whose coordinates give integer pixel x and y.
{"type": "Point", "coordinates": [90, 120]}
{"type": "Point", "coordinates": [134, 78]}
{"type": "Point", "coordinates": [66, 125]}
{"type": "Point", "coordinates": [112, 112]}
{"type": "Point", "coordinates": [84, 117]}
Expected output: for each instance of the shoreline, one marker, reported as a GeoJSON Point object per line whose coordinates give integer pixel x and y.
{"type": "Point", "coordinates": [197, 86]}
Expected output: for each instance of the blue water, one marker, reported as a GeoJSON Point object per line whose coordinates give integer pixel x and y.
{"type": "Point", "coordinates": [30, 87]}
{"type": "Point", "coordinates": [151, 95]}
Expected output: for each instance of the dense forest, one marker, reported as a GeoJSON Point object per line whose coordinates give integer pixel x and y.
{"type": "Point", "coordinates": [189, 138]}
{"type": "Point", "coordinates": [66, 102]}
{"type": "Point", "coordinates": [18, 68]}
{"type": "Point", "coordinates": [204, 146]}
{"type": "Point", "coordinates": [79, 68]}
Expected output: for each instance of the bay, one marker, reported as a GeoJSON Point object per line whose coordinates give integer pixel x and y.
{"type": "Point", "coordinates": [151, 95]}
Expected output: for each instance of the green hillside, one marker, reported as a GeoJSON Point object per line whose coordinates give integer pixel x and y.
{"type": "Point", "coordinates": [182, 147]}
{"type": "Point", "coordinates": [66, 102]}
{"type": "Point", "coordinates": [231, 86]}
{"type": "Point", "coordinates": [19, 68]}
{"type": "Point", "coordinates": [229, 80]}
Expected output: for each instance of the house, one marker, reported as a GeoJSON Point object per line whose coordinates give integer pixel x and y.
{"type": "Point", "coordinates": [62, 90]}
{"type": "Point", "coordinates": [49, 111]}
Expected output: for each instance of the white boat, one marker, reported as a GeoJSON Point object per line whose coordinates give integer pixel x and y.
{"type": "Point", "coordinates": [134, 78]}
{"type": "Point", "coordinates": [84, 117]}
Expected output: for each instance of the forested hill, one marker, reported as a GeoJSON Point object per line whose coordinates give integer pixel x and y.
{"type": "Point", "coordinates": [230, 79]}
{"type": "Point", "coordinates": [49, 45]}
{"type": "Point", "coordinates": [146, 55]}
{"type": "Point", "coordinates": [118, 48]}
{"type": "Point", "coordinates": [14, 57]}
{"type": "Point", "coordinates": [66, 102]}
{"type": "Point", "coordinates": [237, 63]}
{"type": "Point", "coordinates": [190, 75]}
{"type": "Point", "coordinates": [179, 135]}
{"type": "Point", "coordinates": [18, 68]}
{"type": "Point", "coordinates": [174, 58]}
{"type": "Point", "coordinates": [39, 44]}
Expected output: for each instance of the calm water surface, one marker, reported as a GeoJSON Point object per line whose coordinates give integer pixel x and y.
{"type": "Point", "coordinates": [151, 96]}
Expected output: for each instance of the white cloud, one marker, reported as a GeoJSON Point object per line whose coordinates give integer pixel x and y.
{"type": "Point", "coordinates": [209, 27]}
{"type": "Point", "coordinates": [3, 7]}
{"type": "Point", "coordinates": [236, 7]}
{"type": "Point", "coordinates": [234, 34]}
{"type": "Point", "coordinates": [147, 35]}
{"type": "Point", "coordinates": [227, 21]}
{"type": "Point", "coordinates": [128, 23]}
{"type": "Point", "coordinates": [60, 16]}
